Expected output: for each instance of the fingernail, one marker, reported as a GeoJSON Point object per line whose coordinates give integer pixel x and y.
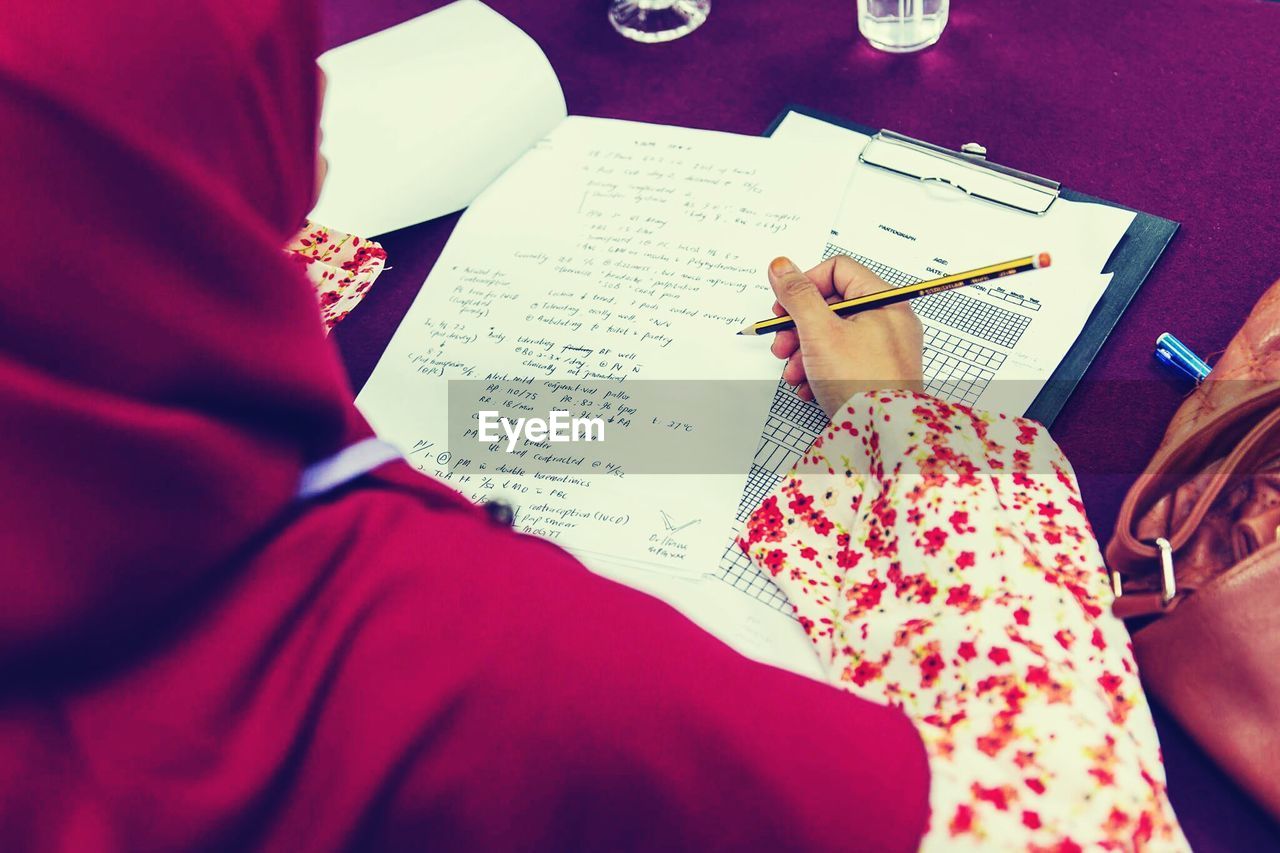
{"type": "Point", "coordinates": [782, 266]}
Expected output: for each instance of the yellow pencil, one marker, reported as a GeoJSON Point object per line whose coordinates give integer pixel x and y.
{"type": "Point", "coordinates": [910, 291]}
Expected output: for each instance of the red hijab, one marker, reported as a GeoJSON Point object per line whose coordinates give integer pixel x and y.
{"type": "Point", "coordinates": [163, 374]}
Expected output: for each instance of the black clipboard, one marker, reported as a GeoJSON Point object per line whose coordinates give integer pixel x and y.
{"type": "Point", "coordinates": [1130, 263]}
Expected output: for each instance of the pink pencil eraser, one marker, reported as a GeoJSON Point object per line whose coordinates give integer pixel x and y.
{"type": "Point", "coordinates": [1043, 260]}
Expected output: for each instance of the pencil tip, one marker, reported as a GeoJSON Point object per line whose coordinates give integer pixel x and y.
{"type": "Point", "coordinates": [749, 330]}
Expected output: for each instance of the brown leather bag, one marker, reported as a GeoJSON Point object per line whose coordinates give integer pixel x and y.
{"type": "Point", "coordinates": [1196, 550]}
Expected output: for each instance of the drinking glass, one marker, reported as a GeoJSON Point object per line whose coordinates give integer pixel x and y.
{"type": "Point", "coordinates": [657, 20]}
{"type": "Point", "coordinates": [901, 26]}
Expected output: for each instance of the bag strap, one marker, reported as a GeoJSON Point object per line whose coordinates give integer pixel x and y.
{"type": "Point", "coordinates": [1169, 469]}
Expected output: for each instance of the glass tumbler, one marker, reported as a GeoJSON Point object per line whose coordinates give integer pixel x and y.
{"type": "Point", "coordinates": [657, 20]}
{"type": "Point", "coordinates": [901, 26]}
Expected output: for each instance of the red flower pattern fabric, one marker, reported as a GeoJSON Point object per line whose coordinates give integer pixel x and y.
{"type": "Point", "coordinates": [941, 561]}
{"type": "Point", "coordinates": [342, 267]}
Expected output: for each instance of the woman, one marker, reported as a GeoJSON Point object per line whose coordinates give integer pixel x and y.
{"type": "Point", "coordinates": [193, 656]}
{"type": "Point", "coordinates": [227, 626]}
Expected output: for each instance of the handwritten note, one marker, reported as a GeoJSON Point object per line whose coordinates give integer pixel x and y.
{"type": "Point", "coordinates": [605, 275]}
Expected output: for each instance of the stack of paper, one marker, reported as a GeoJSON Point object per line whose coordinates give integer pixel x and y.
{"type": "Point", "coordinates": [604, 269]}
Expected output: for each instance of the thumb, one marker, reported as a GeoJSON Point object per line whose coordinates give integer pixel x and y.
{"type": "Point", "coordinates": [799, 297]}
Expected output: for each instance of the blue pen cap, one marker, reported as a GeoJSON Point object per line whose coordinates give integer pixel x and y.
{"type": "Point", "coordinates": [1177, 355]}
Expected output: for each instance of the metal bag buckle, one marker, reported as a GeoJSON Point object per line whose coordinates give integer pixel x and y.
{"type": "Point", "coordinates": [1168, 583]}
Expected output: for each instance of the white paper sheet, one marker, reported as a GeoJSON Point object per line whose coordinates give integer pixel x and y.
{"type": "Point", "coordinates": [754, 627]}
{"type": "Point", "coordinates": [991, 346]}
{"type": "Point", "coordinates": [646, 244]}
{"type": "Point", "coordinates": [418, 119]}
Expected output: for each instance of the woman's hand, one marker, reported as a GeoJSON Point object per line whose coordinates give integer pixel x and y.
{"type": "Point", "coordinates": [832, 358]}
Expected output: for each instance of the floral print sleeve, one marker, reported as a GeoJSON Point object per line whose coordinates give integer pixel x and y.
{"type": "Point", "coordinates": [341, 266]}
{"type": "Point", "coordinates": [941, 561]}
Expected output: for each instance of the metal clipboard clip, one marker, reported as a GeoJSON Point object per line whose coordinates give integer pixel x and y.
{"type": "Point", "coordinates": [966, 170]}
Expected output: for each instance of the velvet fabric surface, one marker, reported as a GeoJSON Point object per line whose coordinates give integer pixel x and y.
{"type": "Point", "coordinates": [1167, 106]}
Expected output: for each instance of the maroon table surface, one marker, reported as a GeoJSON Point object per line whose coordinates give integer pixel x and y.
{"type": "Point", "coordinates": [1167, 106]}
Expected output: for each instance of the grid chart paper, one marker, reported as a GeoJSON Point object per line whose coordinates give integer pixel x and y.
{"type": "Point", "coordinates": [974, 316]}
{"type": "Point", "coordinates": [955, 368]}
{"type": "Point", "coordinates": [980, 319]}
{"type": "Point", "coordinates": [737, 570]}
{"type": "Point", "coordinates": [789, 429]}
